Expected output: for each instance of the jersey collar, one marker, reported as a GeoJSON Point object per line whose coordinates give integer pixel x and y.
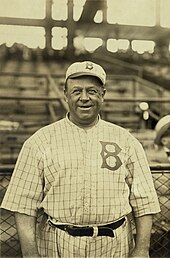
{"type": "Point", "coordinates": [81, 128]}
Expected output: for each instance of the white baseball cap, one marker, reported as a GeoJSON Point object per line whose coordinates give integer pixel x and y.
{"type": "Point", "coordinates": [78, 69]}
{"type": "Point", "coordinates": [161, 127]}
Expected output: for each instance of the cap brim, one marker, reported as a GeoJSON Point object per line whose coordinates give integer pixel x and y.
{"type": "Point", "coordinates": [161, 133]}
{"type": "Point", "coordinates": [75, 75]}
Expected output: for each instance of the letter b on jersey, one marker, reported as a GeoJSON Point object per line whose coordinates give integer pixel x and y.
{"type": "Point", "coordinates": [110, 158]}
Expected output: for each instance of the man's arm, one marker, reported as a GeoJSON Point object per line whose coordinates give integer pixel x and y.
{"type": "Point", "coordinates": [143, 234]}
{"type": "Point", "coordinates": [26, 228]}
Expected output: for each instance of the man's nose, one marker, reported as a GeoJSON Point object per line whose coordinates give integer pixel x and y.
{"type": "Point", "coordinates": [84, 95]}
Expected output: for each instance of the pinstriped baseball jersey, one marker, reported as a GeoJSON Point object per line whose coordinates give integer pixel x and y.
{"type": "Point", "coordinates": [82, 177]}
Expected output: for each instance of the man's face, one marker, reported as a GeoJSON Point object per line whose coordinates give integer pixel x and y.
{"type": "Point", "coordinates": [84, 96]}
{"type": "Point", "coordinates": [166, 140]}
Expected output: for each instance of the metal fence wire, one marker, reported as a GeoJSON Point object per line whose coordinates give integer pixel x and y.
{"type": "Point", "coordinates": [160, 244]}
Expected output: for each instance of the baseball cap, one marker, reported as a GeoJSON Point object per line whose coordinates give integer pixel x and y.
{"type": "Point", "coordinates": [78, 69]}
{"type": "Point", "coordinates": [161, 127]}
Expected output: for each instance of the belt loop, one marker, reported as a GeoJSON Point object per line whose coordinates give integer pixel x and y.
{"type": "Point", "coordinates": [95, 232]}
{"type": "Point", "coordinates": [50, 223]}
{"type": "Point", "coordinates": [125, 222]}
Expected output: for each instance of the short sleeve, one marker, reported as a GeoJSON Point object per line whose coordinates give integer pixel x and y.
{"type": "Point", "coordinates": [25, 191]}
{"type": "Point", "coordinates": [143, 197]}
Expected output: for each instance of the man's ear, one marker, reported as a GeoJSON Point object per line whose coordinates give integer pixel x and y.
{"type": "Point", "coordinates": [65, 95]}
{"type": "Point", "coordinates": [65, 91]}
{"type": "Point", "coordinates": [164, 141]}
{"type": "Point", "coordinates": [103, 93]}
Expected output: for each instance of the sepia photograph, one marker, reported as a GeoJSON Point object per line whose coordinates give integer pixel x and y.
{"type": "Point", "coordinates": [85, 128]}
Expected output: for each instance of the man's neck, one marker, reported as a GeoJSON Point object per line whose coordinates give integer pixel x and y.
{"type": "Point", "coordinates": [84, 126]}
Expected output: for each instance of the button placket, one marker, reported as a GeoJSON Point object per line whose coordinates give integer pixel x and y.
{"type": "Point", "coordinates": [86, 175]}
{"type": "Point", "coordinates": [86, 141]}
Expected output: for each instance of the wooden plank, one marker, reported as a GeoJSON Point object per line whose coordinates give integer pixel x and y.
{"type": "Point", "coordinates": [54, 117]}
{"type": "Point", "coordinates": [28, 117]}
{"type": "Point", "coordinates": [21, 93]}
{"type": "Point", "coordinates": [124, 119]}
{"type": "Point", "coordinates": [9, 110]}
{"type": "Point", "coordinates": [149, 100]}
{"type": "Point", "coordinates": [28, 98]}
{"type": "Point", "coordinates": [54, 88]}
{"type": "Point", "coordinates": [6, 169]}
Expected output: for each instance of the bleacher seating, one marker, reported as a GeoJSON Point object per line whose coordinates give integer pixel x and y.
{"type": "Point", "coordinates": [29, 96]}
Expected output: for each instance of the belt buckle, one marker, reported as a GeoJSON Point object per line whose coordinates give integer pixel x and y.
{"type": "Point", "coordinates": [95, 232]}
{"type": "Point", "coordinates": [66, 229]}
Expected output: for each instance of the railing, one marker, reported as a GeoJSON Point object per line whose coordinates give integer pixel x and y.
{"type": "Point", "coordinates": [10, 246]}
{"type": "Point", "coordinates": [125, 88]}
{"type": "Point", "coordinates": [131, 88]}
{"type": "Point", "coordinates": [38, 88]}
{"type": "Point", "coordinates": [109, 59]}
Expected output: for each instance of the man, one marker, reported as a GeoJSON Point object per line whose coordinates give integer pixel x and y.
{"type": "Point", "coordinates": [159, 153]}
{"type": "Point", "coordinates": [86, 175]}
{"type": "Point", "coordinates": [162, 139]}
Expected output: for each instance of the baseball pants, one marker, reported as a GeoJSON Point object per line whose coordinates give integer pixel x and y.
{"type": "Point", "coordinates": [55, 243]}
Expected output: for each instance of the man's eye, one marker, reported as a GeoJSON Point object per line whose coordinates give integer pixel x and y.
{"type": "Point", "coordinates": [77, 91]}
{"type": "Point", "coordinates": [92, 91]}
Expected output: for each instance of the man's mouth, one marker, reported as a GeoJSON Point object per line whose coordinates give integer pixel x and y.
{"type": "Point", "coordinates": [85, 107]}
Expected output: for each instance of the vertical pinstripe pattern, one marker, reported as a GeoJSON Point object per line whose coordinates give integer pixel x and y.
{"type": "Point", "coordinates": [82, 177]}
{"type": "Point", "coordinates": [57, 243]}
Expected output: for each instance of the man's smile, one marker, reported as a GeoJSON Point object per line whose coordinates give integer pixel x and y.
{"type": "Point", "coordinates": [85, 107]}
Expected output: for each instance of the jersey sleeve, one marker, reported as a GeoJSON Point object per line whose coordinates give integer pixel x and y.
{"type": "Point", "coordinates": [25, 191]}
{"type": "Point", "coordinates": [143, 196]}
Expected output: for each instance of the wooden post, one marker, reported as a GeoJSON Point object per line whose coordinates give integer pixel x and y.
{"type": "Point", "coordinates": [48, 26]}
{"type": "Point", "coordinates": [71, 30]}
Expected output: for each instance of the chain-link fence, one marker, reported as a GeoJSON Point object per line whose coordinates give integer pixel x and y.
{"type": "Point", "coordinates": [160, 244]}
{"type": "Point", "coordinates": [10, 246]}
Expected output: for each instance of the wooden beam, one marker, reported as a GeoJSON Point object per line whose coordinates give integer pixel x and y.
{"type": "Point", "coordinates": [36, 98]}
{"type": "Point", "coordinates": [131, 32]}
{"type": "Point", "coordinates": [48, 31]}
{"type": "Point", "coordinates": [90, 9]}
{"type": "Point", "coordinates": [149, 100]}
{"type": "Point", "coordinates": [102, 30]}
{"type": "Point", "coordinates": [52, 112]}
{"type": "Point", "coordinates": [71, 25]}
{"type": "Point", "coordinates": [56, 92]}
{"type": "Point", "coordinates": [30, 22]}
{"type": "Point", "coordinates": [23, 74]}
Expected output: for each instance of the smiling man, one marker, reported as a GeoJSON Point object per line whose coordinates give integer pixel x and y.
{"type": "Point", "coordinates": [86, 176]}
{"type": "Point", "coordinates": [84, 93]}
{"type": "Point", "coordinates": [84, 96]}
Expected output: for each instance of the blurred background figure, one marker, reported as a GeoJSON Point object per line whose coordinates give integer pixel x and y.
{"type": "Point", "coordinates": [162, 139]}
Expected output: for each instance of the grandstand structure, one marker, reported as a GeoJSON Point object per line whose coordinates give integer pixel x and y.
{"type": "Point", "coordinates": [32, 80]}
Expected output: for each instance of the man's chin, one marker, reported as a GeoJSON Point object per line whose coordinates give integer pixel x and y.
{"type": "Point", "coordinates": [86, 120]}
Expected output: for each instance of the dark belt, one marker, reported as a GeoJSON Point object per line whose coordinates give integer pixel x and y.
{"type": "Point", "coordinates": [105, 230]}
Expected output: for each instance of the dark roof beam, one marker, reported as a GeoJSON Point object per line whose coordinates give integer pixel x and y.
{"type": "Point", "coordinates": [48, 31]}
{"type": "Point", "coordinates": [90, 9]}
{"type": "Point", "coordinates": [123, 31]}
{"type": "Point", "coordinates": [29, 22]}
